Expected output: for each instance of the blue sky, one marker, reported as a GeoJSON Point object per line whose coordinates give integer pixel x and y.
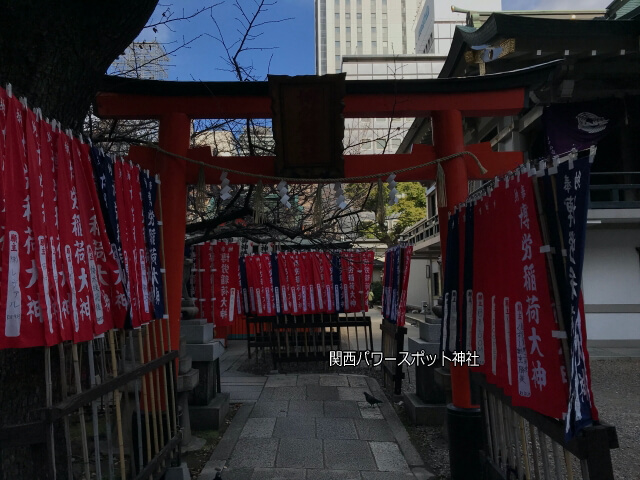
{"type": "Point", "coordinates": [290, 43]}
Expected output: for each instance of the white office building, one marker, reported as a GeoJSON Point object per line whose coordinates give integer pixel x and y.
{"type": "Point", "coordinates": [363, 27]}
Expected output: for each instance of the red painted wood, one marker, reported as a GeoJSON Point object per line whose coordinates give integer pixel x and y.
{"type": "Point", "coordinates": [470, 104]}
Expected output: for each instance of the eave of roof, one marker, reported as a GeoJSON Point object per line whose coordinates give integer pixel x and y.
{"type": "Point", "coordinates": [501, 25]}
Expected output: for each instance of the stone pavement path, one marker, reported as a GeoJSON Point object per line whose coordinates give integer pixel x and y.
{"type": "Point", "coordinates": [313, 427]}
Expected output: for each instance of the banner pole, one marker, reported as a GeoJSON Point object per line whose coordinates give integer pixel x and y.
{"type": "Point", "coordinates": [107, 413]}
{"type": "Point", "coordinates": [152, 326]}
{"type": "Point", "coordinates": [544, 227]}
{"type": "Point", "coordinates": [94, 410]}
{"type": "Point", "coordinates": [154, 419]}
{"type": "Point", "coordinates": [173, 365]}
{"type": "Point", "coordinates": [65, 390]}
{"type": "Point", "coordinates": [51, 446]}
{"type": "Point", "coordinates": [145, 397]}
{"type": "Point", "coordinates": [83, 427]}
{"type": "Point", "coordinates": [136, 392]}
{"type": "Point", "coordinates": [116, 394]}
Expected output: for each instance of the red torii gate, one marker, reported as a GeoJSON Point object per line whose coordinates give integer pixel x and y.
{"type": "Point", "coordinates": [446, 101]}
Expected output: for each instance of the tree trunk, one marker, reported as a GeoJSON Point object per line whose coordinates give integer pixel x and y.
{"type": "Point", "coordinates": [55, 53]}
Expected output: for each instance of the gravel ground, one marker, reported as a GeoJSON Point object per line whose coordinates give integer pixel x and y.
{"type": "Point", "coordinates": [616, 389]}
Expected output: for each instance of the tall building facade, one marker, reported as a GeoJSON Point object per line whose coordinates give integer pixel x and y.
{"type": "Point", "coordinates": [363, 27]}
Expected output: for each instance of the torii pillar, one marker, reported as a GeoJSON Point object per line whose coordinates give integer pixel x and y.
{"type": "Point", "coordinates": [448, 138]}
{"type": "Point", "coordinates": [174, 135]}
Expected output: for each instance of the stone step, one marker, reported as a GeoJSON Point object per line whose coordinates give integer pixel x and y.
{"type": "Point", "coordinates": [185, 364]}
{"type": "Point", "coordinates": [205, 352]}
{"type": "Point", "coordinates": [188, 381]}
{"type": "Point", "coordinates": [418, 344]}
{"type": "Point", "coordinates": [202, 333]}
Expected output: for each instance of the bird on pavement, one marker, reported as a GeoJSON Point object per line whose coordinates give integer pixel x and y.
{"type": "Point", "coordinates": [371, 399]}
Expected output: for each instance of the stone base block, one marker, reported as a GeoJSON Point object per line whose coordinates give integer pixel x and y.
{"type": "Point", "coordinates": [197, 333]}
{"type": "Point", "coordinates": [430, 331]}
{"type": "Point", "coordinates": [185, 364]}
{"type": "Point", "coordinates": [222, 341]}
{"type": "Point", "coordinates": [422, 413]}
{"type": "Point", "coordinates": [210, 417]}
{"type": "Point", "coordinates": [188, 381]}
{"type": "Point", "coordinates": [178, 473]}
{"type": "Point", "coordinates": [418, 344]}
{"type": "Point", "coordinates": [204, 352]}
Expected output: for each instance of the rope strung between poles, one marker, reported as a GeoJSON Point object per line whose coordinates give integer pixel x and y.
{"type": "Point", "coordinates": [483, 170]}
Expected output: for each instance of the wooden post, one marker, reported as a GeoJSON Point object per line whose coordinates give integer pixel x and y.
{"type": "Point", "coordinates": [116, 394]}
{"type": "Point", "coordinates": [83, 427]}
{"type": "Point", "coordinates": [145, 398]}
{"type": "Point", "coordinates": [65, 390]}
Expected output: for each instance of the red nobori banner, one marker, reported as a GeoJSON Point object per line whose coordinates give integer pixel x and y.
{"type": "Point", "coordinates": [226, 283]}
{"type": "Point", "coordinates": [513, 324]}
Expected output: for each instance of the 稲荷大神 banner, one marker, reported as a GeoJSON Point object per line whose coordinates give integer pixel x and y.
{"type": "Point", "coordinates": [499, 302]}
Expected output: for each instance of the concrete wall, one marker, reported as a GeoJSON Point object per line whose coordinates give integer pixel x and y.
{"type": "Point", "coordinates": [418, 286]}
{"type": "Point", "coordinates": [611, 286]}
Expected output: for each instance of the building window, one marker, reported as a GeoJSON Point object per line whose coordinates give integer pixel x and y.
{"type": "Point", "coordinates": [337, 17]}
{"type": "Point", "coordinates": [359, 16]}
{"type": "Point", "coordinates": [373, 5]}
{"type": "Point", "coordinates": [337, 31]}
{"type": "Point", "coordinates": [337, 61]}
{"type": "Point", "coordinates": [348, 47]}
{"type": "Point", "coordinates": [359, 46]}
{"type": "Point", "coordinates": [381, 143]}
{"type": "Point", "coordinates": [337, 45]}
{"type": "Point", "coordinates": [348, 32]}
{"type": "Point", "coordinates": [347, 16]}
{"type": "Point", "coordinates": [385, 44]}
{"type": "Point", "coordinates": [373, 31]}
{"type": "Point", "coordinates": [384, 16]}
{"type": "Point", "coordinates": [374, 46]}
{"type": "Point", "coordinates": [337, 4]}
{"type": "Point", "coordinates": [373, 18]}
{"type": "Point", "coordinates": [366, 144]}
{"type": "Point", "coordinates": [385, 33]}
{"type": "Point", "coordinates": [359, 30]}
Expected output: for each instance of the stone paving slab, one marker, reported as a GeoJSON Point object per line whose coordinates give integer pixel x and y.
{"type": "Point", "coordinates": [295, 427]}
{"type": "Point", "coordinates": [320, 392]}
{"type": "Point", "coordinates": [367, 411]}
{"type": "Point", "coordinates": [258, 428]}
{"type": "Point", "coordinates": [270, 408]}
{"type": "Point", "coordinates": [300, 453]}
{"type": "Point", "coordinates": [254, 452]}
{"type": "Point", "coordinates": [278, 474]}
{"type": "Point", "coordinates": [284, 393]}
{"type": "Point", "coordinates": [309, 379]}
{"type": "Point", "coordinates": [384, 476]}
{"type": "Point", "coordinates": [357, 381]}
{"type": "Point", "coordinates": [305, 408]}
{"type": "Point", "coordinates": [333, 474]}
{"type": "Point", "coordinates": [388, 457]}
{"type": "Point", "coordinates": [355, 394]}
{"type": "Point", "coordinates": [373, 429]}
{"type": "Point", "coordinates": [334, 381]}
{"type": "Point", "coordinates": [276, 381]}
{"type": "Point", "coordinates": [336, 428]}
{"type": "Point", "coordinates": [341, 408]}
{"type": "Point", "coordinates": [243, 393]}
{"type": "Point", "coordinates": [348, 455]}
